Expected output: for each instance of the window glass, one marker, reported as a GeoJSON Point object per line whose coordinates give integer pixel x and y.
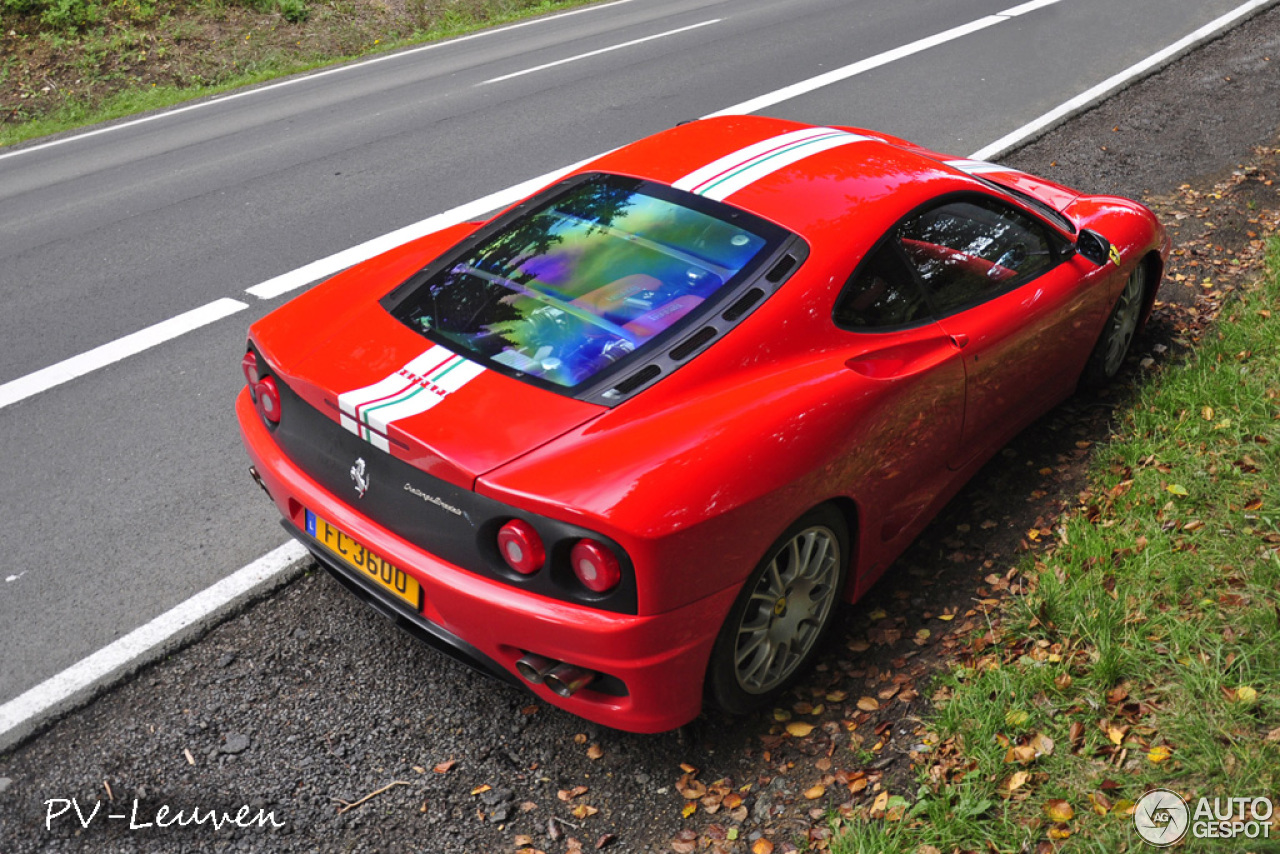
{"type": "Point", "coordinates": [969, 251]}
{"type": "Point", "coordinates": [564, 292]}
{"type": "Point", "coordinates": [882, 292]}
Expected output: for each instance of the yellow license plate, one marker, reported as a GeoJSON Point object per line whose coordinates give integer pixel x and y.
{"type": "Point", "coordinates": [351, 552]}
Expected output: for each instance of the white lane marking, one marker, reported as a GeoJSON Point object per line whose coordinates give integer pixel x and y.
{"type": "Point", "coordinates": [146, 638]}
{"type": "Point", "coordinates": [306, 77]}
{"type": "Point", "coordinates": [113, 351]}
{"type": "Point", "coordinates": [837, 75]}
{"type": "Point", "coordinates": [1115, 83]}
{"type": "Point", "coordinates": [323, 267]}
{"type": "Point", "coordinates": [1026, 7]}
{"type": "Point", "coordinates": [592, 53]}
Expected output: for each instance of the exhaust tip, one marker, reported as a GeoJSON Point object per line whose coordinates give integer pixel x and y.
{"type": "Point", "coordinates": [566, 680]}
{"type": "Point", "coordinates": [534, 668]}
{"type": "Point", "coordinates": [257, 478]}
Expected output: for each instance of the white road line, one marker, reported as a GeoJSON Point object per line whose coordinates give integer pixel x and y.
{"type": "Point", "coordinates": [113, 351]}
{"type": "Point", "coordinates": [145, 639]}
{"type": "Point", "coordinates": [1115, 83]}
{"type": "Point", "coordinates": [324, 267]}
{"type": "Point", "coordinates": [837, 75]}
{"type": "Point", "coordinates": [308, 77]}
{"type": "Point", "coordinates": [600, 51]}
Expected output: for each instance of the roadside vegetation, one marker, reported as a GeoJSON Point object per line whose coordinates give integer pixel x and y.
{"type": "Point", "coordinates": [1138, 649]}
{"type": "Point", "coordinates": [68, 63]}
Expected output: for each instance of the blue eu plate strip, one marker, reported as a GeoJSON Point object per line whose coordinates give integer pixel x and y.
{"type": "Point", "coordinates": [311, 523]}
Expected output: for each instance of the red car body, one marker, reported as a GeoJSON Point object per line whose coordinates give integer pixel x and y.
{"type": "Point", "coordinates": [690, 475]}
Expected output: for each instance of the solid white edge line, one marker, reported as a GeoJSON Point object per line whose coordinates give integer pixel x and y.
{"type": "Point", "coordinates": [148, 638]}
{"type": "Point", "coordinates": [592, 53]}
{"type": "Point", "coordinates": [387, 57]}
{"type": "Point", "coordinates": [113, 351]}
{"type": "Point", "coordinates": [1085, 100]}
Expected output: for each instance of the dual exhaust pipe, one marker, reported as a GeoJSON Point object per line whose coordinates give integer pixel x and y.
{"type": "Point", "coordinates": [563, 679]}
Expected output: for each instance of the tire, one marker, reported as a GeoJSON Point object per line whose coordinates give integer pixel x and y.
{"type": "Point", "coordinates": [1113, 344]}
{"type": "Point", "coordinates": [784, 611]}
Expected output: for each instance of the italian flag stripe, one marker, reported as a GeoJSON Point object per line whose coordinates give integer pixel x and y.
{"type": "Point", "coordinates": [415, 388]}
{"type": "Point", "coordinates": [741, 168]}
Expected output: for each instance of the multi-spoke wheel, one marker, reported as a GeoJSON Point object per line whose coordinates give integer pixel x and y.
{"type": "Point", "coordinates": [1108, 354]}
{"type": "Point", "coordinates": [784, 610]}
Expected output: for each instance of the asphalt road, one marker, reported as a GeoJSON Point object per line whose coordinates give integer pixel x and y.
{"type": "Point", "coordinates": [124, 491]}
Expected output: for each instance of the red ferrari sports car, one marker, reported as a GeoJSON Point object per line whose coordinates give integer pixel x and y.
{"type": "Point", "coordinates": [631, 442]}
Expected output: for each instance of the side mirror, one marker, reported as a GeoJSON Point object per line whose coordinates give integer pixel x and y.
{"type": "Point", "coordinates": [1093, 246]}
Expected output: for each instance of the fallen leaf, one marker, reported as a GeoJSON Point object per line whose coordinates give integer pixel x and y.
{"type": "Point", "coordinates": [1017, 781]}
{"type": "Point", "coordinates": [1176, 489]}
{"type": "Point", "coordinates": [762, 846]}
{"type": "Point", "coordinates": [481, 789]}
{"type": "Point", "coordinates": [570, 794]}
{"type": "Point", "coordinates": [445, 767]}
{"type": "Point", "coordinates": [1059, 810]}
{"type": "Point", "coordinates": [1159, 753]}
{"type": "Point", "coordinates": [1246, 695]}
{"type": "Point", "coordinates": [583, 810]}
{"type": "Point", "coordinates": [595, 751]}
{"type": "Point", "coordinates": [868, 704]}
{"type": "Point", "coordinates": [799, 729]}
{"type": "Point", "coordinates": [815, 792]}
{"type": "Point", "coordinates": [690, 808]}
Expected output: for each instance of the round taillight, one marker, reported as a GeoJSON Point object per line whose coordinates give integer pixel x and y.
{"type": "Point", "coordinates": [521, 547]}
{"type": "Point", "coordinates": [249, 364]}
{"type": "Point", "coordinates": [268, 399]}
{"type": "Point", "coordinates": [595, 566]}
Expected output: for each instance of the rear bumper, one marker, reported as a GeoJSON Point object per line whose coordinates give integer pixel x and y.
{"type": "Point", "coordinates": [660, 659]}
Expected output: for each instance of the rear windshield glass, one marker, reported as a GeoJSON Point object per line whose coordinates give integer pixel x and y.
{"type": "Point", "coordinates": [565, 292]}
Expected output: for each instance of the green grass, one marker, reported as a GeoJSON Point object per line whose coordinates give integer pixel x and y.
{"type": "Point", "coordinates": [1153, 626]}
{"type": "Point", "coordinates": [442, 23]}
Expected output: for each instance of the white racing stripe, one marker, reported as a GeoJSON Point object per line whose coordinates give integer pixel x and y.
{"type": "Point", "coordinates": [592, 53]}
{"type": "Point", "coordinates": [410, 391]}
{"type": "Point", "coordinates": [113, 351]}
{"type": "Point", "coordinates": [724, 177]}
{"type": "Point", "coordinates": [145, 642]}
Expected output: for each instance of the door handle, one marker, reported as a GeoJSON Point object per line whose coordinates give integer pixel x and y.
{"type": "Point", "coordinates": [960, 340]}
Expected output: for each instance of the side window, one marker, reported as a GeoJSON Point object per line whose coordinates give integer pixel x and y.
{"type": "Point", "coordinates": [968, 251]}
{"type": "Point", "coordinates": [882, 292]}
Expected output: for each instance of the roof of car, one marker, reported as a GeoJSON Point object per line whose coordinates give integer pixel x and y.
{"type": "Point", "coordinates": [810, 179]}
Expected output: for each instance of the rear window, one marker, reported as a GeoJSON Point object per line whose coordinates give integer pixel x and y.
{"type": "Point", "coordinates": [569, 290]}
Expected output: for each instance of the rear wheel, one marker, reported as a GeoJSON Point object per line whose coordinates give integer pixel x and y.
{"type": "Point", "coordinates": [1108, 354]}
{"type": "Point", "coordinates": [784, 610]}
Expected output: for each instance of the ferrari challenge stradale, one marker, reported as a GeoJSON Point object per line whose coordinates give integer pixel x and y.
{"type": "Point", "coordinates": [632, 441]}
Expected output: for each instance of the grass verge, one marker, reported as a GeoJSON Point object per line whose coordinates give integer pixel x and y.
{"type": "Point", "coordinates": [131, 57]}
{"type": "Point", "coordinates": [1145, 651]}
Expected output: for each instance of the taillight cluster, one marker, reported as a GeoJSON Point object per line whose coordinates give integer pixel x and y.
{"type": "Point", "coordinates": [266, 397]}
{"type": "Point", "coordinates": [594, 564]}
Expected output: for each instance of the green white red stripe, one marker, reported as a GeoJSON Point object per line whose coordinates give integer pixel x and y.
{"type": "Point", "coordinates": [412, 390]}
{"type": "Point", "coordinates": [729, 174]}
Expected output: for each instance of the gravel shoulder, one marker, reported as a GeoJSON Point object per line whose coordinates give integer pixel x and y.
{"type": "Point", "coordinates": [308, 702]}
